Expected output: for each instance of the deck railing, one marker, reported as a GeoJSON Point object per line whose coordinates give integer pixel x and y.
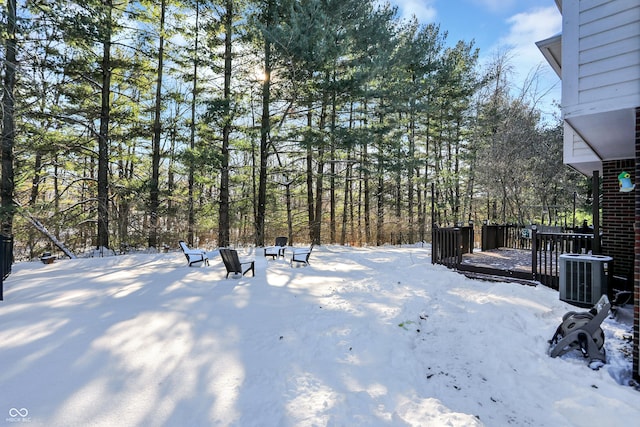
{"type": "Point", "coordinates": [6, 259]}
{"type": "Point", "coordinates": [450, 243]}
{"type": "Point", "coordinates": [512, 236]}
{"type": "Point", "coordinates": [546, 248]}
{"type": "Point", "coordinates": [446, 248]}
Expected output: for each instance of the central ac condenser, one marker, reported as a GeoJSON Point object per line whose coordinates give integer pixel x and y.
{"type": "Point", "coordinates": [583, 278]}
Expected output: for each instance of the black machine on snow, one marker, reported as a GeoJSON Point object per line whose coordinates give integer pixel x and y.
{"type": "Point", "coordinates": [581, 331]}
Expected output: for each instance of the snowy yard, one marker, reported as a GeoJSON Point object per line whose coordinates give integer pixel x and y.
{"type": "Point", "coordinates": [361, 337]}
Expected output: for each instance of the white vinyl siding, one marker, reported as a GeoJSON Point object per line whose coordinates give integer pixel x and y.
{"type": "Point", "coordinates": [605, 49]}
{"type": "Point", "coordinates": [578, 153]}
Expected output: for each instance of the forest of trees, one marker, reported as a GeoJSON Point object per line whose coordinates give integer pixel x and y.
{"type": "Point", "coordinates": [225, 122]}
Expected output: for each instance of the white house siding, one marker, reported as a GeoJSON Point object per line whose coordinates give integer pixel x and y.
{"type": "Point", "coordinates": [578, 153]}
{"type": "Point", "coordinates": [605, 52]}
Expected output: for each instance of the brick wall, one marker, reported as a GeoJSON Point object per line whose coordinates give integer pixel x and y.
{"type": "Point", "coordinates": [618, 217]}
{"type": "Point", "coordinates": [636, 306]}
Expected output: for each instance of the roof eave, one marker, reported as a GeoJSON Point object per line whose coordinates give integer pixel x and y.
{"type": "Point", "coordinates": [551, 49]}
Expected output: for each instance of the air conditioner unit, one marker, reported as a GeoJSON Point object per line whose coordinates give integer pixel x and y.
{"type": "Point", "coordinates": [583, 278]}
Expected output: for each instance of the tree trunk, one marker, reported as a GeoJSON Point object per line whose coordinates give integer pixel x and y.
{"type": "Point", "coordinates": [380, 167]}
{"type": "Point", "coordinates": [310, 201]}
{"type": "Point", "coordinates": [347, 194]}
{"type": "Point", "coordinates": [289, 212]}
{"type": "Point", "coordinates": [421, 207]}
{"type": "Point", "coordinates": [154, 199]}
{"type": "Point", "coordinates": [366, 177]}
{"type": "Point", "coordinates": [317, 224]}
{"type": "Point", "coordinates": [380, 206]}
{"type": "Point", "coordinates": [224, 238]}
{"type": "Point", "coordinates": [191, 216]}
{"type": "Point", "coordinates": [8, 121]}
{"type": "Point", "coordinates": [103, 137]}
{"type": "Point", "coordinates": [265, 129]}
{"type": "Point", "coordinates": [398, 223]}
{"type": "Point", "coordinates": [41, 228]}
{"type": "Point", "coordinates": [35, 182]}
{"type": "Point", "coordinates": [332, 172]}
{"type": "Point", "coordinates": [171, 184]}
{"type": "Point", "coordinates": [411, 166]}
{"type": "Point", "coordinates": [347, 187]}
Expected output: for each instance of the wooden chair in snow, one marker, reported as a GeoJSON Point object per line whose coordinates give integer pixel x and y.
{"type": "Point", "coordinates": [194, 256]}
{"type": "Point", "coordinates": [301, 255]}
{"type": "Point", "coordinates": [233, 264]}
{"type": "Point", "coordinates": [47, 258]}
{"type": "Point", "coordinates": [277, 250]}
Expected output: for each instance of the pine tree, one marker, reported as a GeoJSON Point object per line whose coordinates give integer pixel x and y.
{"type": "Point", "coordinates": [8, 120]}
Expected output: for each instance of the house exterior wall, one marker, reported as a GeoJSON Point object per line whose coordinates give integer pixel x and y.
{"type": "Point", "coordinates": [618, 215]}
{"type": "Point", "coordinates": [600, 56]}
{"type": "Point", "coordinates": [636, 306]}
{"type": "Point", "coordinates": [575, 150]}
{"type": "Point", "coordinates": [600, 72]}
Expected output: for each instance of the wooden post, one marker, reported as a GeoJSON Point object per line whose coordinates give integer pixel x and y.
{"type": "Point", "coordinates": [595, 188]}
{"type": "Point", "coordinates": [433, 222]}
{"type": "Point", "coordinates": [458, 243]}
{"type": "Point", "coordinates": [534, 252]}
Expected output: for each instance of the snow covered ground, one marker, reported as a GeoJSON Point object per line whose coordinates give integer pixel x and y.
{"type": "Point", "coordinates": [361, 337]}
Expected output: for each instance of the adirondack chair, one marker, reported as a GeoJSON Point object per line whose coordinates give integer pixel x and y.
{"type": "Point", "coordinates": [301, 255]}
{"type": "Point", "coordinates": [233, 264]}
{"type": "Point", "coordinates": [193, 255]}
{"type": "Point", "coordinates": [277, 250]}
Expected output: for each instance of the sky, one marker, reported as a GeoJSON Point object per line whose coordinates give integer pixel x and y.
{"type": "Point", "coordinates": [373, 336]}
{"type": "Point", "coordinates": [498, 26]}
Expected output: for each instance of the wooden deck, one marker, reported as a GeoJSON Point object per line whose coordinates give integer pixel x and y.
{"type": "Point", "coordinates": [501, 264]}
{"type": "Point", "coordinates": [510, 254]}
{"type": "Point", "coordinates": [502, 259]}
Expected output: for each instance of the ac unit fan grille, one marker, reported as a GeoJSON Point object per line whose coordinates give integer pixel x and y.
{"type": "Point", "coordinates": [579, 281]}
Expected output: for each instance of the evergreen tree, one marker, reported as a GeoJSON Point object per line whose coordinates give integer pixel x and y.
{"type": "Point", "coordinates": [8, 120]}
